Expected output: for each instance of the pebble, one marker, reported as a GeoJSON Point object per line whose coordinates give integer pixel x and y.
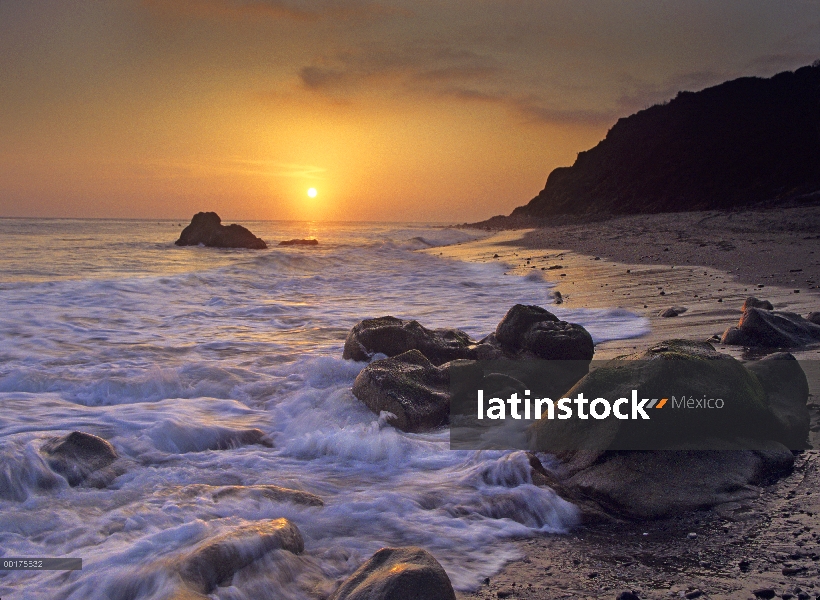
{"type": "Point", "coordinates": [765, 593]}
{"type": "Point", "coordinates": [692, 536]}
{"type": "Point", "coordinates": [694, 594]}
{"type": "Point", "coordinates": [504, 593]}
{"type": "Point", "coordinates": [628, 596]}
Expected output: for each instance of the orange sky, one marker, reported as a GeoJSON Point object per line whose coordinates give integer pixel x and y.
{"type": "Point", "coordinates": [419, 111]}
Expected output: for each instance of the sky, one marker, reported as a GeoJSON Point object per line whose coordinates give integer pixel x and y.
{"type": "Point", "coordinates": [451, 111]}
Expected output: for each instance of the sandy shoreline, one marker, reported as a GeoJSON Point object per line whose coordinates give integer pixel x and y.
{"type": "Point", "coordinates": [708, 263]}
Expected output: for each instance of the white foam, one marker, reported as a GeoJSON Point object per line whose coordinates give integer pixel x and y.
{"type": "Point", "coordinates": [167, 352]}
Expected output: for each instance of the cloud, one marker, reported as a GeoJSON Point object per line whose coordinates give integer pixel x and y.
{"type": "Point", "coordinates": [294, 10]}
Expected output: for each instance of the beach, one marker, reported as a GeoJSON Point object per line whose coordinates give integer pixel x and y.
{"type": "Point", "coordinates": [708, 263]}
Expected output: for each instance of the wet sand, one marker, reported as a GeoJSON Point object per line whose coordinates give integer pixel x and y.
{"type": "Point", "coordinates": [708, 263]}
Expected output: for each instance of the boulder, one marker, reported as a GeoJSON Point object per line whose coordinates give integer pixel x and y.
{"type": "Point", "coordinates": [814, 317]}
{"type": "Point", "coordinates": [652, 485]}
{"type": "Point", "coordinates": [82, 458]}
{"type": "Point", "coordinates": [682, 458]}
{"type": "Point", "coordinates": [217, 559]}
{"type": "Point", "coordinates": [752, 302]}
{"type": "Point", "coordinates": [409, 573]}
{"type": "Point", "coordinates": [534, 332]}
{"type": "Point", "coordinates": [787, 390]}
{"type": "Point", "coordinates": [772, 329]}
{"type": "Point", "coordinates": [410, 387]}
{"type": "Point", "coordinates": [299, 242]}
{"type": "Point", "coordinates": [206, 228]}
{"type": "Point", "coordinates": [525, 332]}
{"type": "Point", "coordinates": [673, 368]}
{"type": "Point", "coordinates": [392, 336]}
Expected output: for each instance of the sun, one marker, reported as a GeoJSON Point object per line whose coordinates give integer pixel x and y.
{"type": "Point", "coordinates": [312, 192]}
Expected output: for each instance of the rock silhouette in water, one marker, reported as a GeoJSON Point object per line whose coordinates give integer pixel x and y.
{"type": "Point", "coordinates": [206, 228]}
{"type": "Point", "coordinates": [299, 242]}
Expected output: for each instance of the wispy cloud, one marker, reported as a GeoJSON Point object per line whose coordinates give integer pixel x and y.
{"type": "Point", "coordinates": [202, 168]}
{"type": "Point", "coordinates": [225, 10]}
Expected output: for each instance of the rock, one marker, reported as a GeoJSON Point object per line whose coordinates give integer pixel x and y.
{"type": "Point", "coordinates": [392, 336]}
{"type": "Point", "coordinates": [814, 317]}
{"type": "Point", "coordinates": [298, 242]}
{"type": "Point", "coordinates": [409, 573]}
{"type": "Point", "coordinates": [787, 390]}
{"type": "Point", "coordinates": [752, 302]}
{"type": "Point", "coordinates": [765, 593]}
{"type": "Point", "coordinates": [557, 298]}
{"type": "Point", "coordinates": [682, 459]}
{"type": "Point", "coordinates": [657, 484]}
{"type": "Point", "coordinates": [772, 329]}
{"type": "Point", "coordinates": [628, 596]}
{"type": "Point", "coordinates": [217, 559]}
{"type": "Point", "coordinates": [82, 458]}
{"type": "Point", "coordinates": [273, 493]}
{"type": "Point", "coordinates": [410, 387]}
{"type": "Point", "coordinates": [673, 311]}
{"type": "Point", "coordinates": [533, 332]}
{"type": "Point", "coordinates": [206, 228]}
{"type": "Point", "coordinates": [525, 332]}
{"type": "Point", "coordinates": [673, 367]}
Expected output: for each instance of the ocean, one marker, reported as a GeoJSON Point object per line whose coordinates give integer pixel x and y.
{"type": "Point", "coordinates": [106, 327]}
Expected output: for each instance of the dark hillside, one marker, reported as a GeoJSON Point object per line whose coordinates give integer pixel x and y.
{"type": "Point", "coordinates": [739, 143]}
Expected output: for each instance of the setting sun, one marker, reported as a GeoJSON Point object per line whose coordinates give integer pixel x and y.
{"type": "Point", "coordinates": [312, 192]}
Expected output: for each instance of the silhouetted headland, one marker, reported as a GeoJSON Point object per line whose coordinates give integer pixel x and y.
{"type": "Point", "coordinates": [742, 143]}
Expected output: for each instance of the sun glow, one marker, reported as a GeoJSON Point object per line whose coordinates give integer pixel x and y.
{"type": "Point", "coordinates": [312, 192]}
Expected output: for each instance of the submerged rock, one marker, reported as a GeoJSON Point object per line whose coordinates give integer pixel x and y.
{"type": "Point", "coordinates": [273, 493]}
{"type": "Point", "coordinates": [217, 559]}
{"type": "Point", "coordinates": [299, 242]}
{"type": "Point", "coordinates": [82, 458]}
{"type": "Point", "coordinates": [408, 573]}
{"type": "Point", "coordinates": [410, 387]}
{"type": "Point", "coordinates": [772, 329]}
{"type": "Point", "coordinates": [206, 228]}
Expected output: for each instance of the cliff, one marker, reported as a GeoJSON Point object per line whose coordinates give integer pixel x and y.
{"type": "Point", "coordinates": [740, 143]}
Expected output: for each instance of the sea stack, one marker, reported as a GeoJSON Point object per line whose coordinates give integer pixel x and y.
{"type": "Point", "coordinates": [206, 228]}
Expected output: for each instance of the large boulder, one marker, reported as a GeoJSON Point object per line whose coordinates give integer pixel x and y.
{"type": "Point", "coordinates": [533, 332]}
{"type": "Point", "coordinates": [206, 228]}
{"type": "Point", "coordinates": [409, 573]}
{"type": "Point", "coordinates": [410, 387]}
{"type": "Point", "coordinates": [673, 368]}
{"type": "Point", "coordinates": [82, 458]}
{"type": "Point", "coordinates": [772, 329]}
{"type": "Point", "coordinates": [752, 302]}
{"type": "Point", "coordinates": [392, 336]}
{"type": "Point", "coordinates": [662, 483]}
{"type": "Point", "coordinates": [681, 458]}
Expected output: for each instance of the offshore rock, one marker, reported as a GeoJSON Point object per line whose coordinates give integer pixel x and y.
{"type": "Point", "coordinates": [206, 228]}
{"type": "Point", "coordinates": [82, 458]}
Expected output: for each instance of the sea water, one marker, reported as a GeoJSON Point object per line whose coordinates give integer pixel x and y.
{"type": "Point", "coordinates": [106, 327]}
